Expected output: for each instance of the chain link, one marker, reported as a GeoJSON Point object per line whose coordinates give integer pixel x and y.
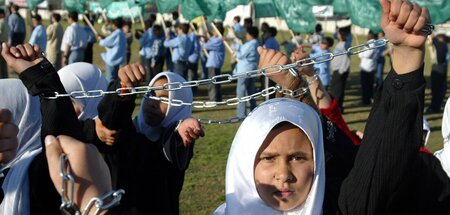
{"type": "Point", "coordinates": [103, 202]}
{"type": "Point", "coordinates": [223, 78]}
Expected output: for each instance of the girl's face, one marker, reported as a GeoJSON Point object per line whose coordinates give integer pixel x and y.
{"type": "Point", "coordinates": [155, 111]}
{"type": "Point", "coordinates": [284, 168]}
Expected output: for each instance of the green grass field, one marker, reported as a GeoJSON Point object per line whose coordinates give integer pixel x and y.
{"type": "Point", "coordinates": [204, 183]}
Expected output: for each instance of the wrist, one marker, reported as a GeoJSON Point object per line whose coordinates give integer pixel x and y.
{"type": "Point", "coordinates": [407, 59]}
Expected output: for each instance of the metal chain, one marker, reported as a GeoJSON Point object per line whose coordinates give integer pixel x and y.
{"type": "Point", "coordinates": [223, 78]}
{"type": "Point", "coordinates": [103, 202]}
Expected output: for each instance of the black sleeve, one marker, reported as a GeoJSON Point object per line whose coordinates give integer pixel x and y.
{"type": "Point", "coordinates": [58, 115]}
{"type": "Point", "coordinates": [116, 111]}
{"type": "Point", "coordinates": [174, 149]}
{"type": "Point", "coordinates": [391, 144]}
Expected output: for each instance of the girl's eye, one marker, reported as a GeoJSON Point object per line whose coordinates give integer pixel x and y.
{"type": "Point", "coordinates": [267, 158]}
{"type": "Point", "coordinates": [297, 158]}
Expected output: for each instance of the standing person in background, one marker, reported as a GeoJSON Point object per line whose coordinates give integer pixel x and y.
{"type": "Point", "coordinates": [126, 28]}
{"type": "Point", "coordinates": [248, 58]}
{"type": "Point", "coordinates": [157, 52]}
{"type": "Point", "coordinates": [216, 52]}
{"type": "Point", "coordinates": [146, 40]}
{"type": "Point", "coordinates": [194, 55]}
{"type": "Point", "coordinates": [91, 39]}
{"type": "Point", "coordinates": [181, 47]}
{"type": "Point", "coordinates": [17, 29]}
{"type": "Point", "coordinates": [368, 68]}
{"type": "Point", "coordinates": [290, 46]}
{"type": "Point", "coordinates": [172, 35]}
{"type": "Point", "coordinates": [323, 69]}
{"type": "Point", "coordinates": [55, 33]}
{"type": "Point", "coordinates": [380, 62]}
{"type": "Point", "coordinates": [236, 38]}
{"type": "Point", "coordinates": [317, 36]}
{"type": "Point", "coordinates": [115, 44]}
{"type": "Point", "coordinates": [438, 51]}
{"type": "Point", "coordinates": [4, 32]}
{"type": "Point", "coordinates": [38, 35]}
{"type": "Point", "coordinates": [265, 34]}
{"type": "Point", "coordinates": [269, 43]}
{"type": "Point", "coordinates": [175, 19]}
{"type": "Point", "coordinates": [74, 41]}
{"type": "Point", "coordinates": [341, 68]}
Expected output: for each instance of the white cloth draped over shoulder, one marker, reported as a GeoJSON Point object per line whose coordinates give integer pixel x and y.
{"type": "Point", "coordinates": [444, 154]}
{"type": "Point", "coordinates": [27, 116]}
{"type": "Point", "coordinates": [241, 194]}
{"type": "Point", "coordinates": [83, 77]}
{"type": "Point", "coordinates": [173, 114]}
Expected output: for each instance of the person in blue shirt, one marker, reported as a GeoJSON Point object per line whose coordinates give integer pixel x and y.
{"type": "Point", "coordinates": [157, 51]}
{"type": "Point", "coordinates": [146, 41]}
{"type": "Point", "coordinates": [17, 29]}
{"type": "Point", "coordinates": [91, 39]}
{"type": "Point", "coordinates": [248, 58]}
{"type": "Point", "coordinates": [115, 44]}
{"type": "Point", "coordinates": [194, 55]}
{"type": "Point", "coordinates": [181, 47]}
{"type": "Point", "coordinates": [271, 42]}
{"type": "Point", "coordinates": [380, 63]}
{"type": "Point", "coordinates": [39, 34]}
{"type": "Point", "coordinates": [323, 69]}
{"type": "Point", "coordinates": [169, 63]}
{"type": "Point", "coordinates": [216, 52]}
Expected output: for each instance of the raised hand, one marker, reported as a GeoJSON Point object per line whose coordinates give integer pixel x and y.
{"type": "Point", "coordinates": [190, 130]}
{"type": "Point", "coordinates": [300, 54]}
{"type": "Point", "coordinates": [403, 22]}
{"type": "Point", "coordinates": [8, 137]}
{"type": "Point", "coordinates": [132, 74]}
{"type": "Point", "coordinates": [21, 57]}
{"type": "Point", "coordinates": [109, 137]}
{"type": "Point", "coordinates": [269, 57]}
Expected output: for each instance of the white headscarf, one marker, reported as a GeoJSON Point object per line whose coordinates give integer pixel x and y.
{"type": "Point", "coordinates": [173, 114]}
{"type": "Point", "coordinates": [83, 77]}
{"type": "Point", "coordinates": [444, 154]}
{"type": "Point", "coordinates": [241, 195]}
{"type": "Point", "coordinates": [27, 117]}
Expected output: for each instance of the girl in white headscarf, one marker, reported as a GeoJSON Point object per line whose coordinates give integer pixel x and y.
{"type": "Point", "coordinates": [27, 117]}
{"type": "Point", "coordinates": [83, 77]}
{"type": "Point", "coordinates": [173, 113]}
{"type": "Point", "coordinates": [444, 154]}
{"type": "Point", "coordinates": [295, 190]}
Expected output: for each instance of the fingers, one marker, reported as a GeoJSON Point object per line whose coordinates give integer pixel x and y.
{"type": "Point", "coordinates": [137, 73]}
{"type": "Point", "coordinates": [413, 18]}
{"type": "Point", "coordinates": [386, 9]}
{"type": "Point", "coordinates": [8, 130]}
{"type": "Point", "coordinates": [403, 16]}
{"type": "Point", "coordinates": [395, 9]}
{"type": "Point", "coordinates": [7, 55]}
{"type": "Point", "coordinates": [421, 21]}
{"type": "Point", "coordinates": [31, 54]}
{"type": "Point", "coordinates": [131, 75]}
{"type": "Point", "coordinates": [5, 115]}
{"type": "Point", "coordinates": [22, 51]}
{"type": "Point", "coordinates": [8, 144]}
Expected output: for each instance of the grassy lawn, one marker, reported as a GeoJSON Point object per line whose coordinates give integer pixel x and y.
{"type": "Point", "coordinates": [204, 183]}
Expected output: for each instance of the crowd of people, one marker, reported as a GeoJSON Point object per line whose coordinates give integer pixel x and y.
{"type": "Point", "coordinates": [291, 155]}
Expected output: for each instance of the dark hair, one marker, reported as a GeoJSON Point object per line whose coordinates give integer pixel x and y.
{"type": "Point", "coordinates": [151, 20]}
{"type": "Point", "coordinates": [2, 11]}
{"type": "Point", "coordinates": [373, 34]}
{"type": "Point", "coordinates": [219, 26]}
{"type": "Point", "coordinates": [253, 31]}
{"type": "Point", "coordinates": [265, 25]}
{"type": "Point", "coordinates": [184, 27]}
{"type": "Point", "coordinates": [318, 27]}
{"type": "Point", "coordinates": [175, 15]}
{"type": "Point", "coordinates": [237, 18]}
{"type": "Point", "coordinates": [328, 41]}
{"type": "Point", "coordinates": [37, 17]}
{"type": "Point", "coordinates": [344, 33]}
{"type": "Point", "coordinates": [168, 24]}
{"type": "Point", "coordinates": [15, 7]}
{"type": "Point", "coordinates": [118, 22]}
{"type": "Point", "coordinates": [273, 31]}
{"type": "Point", "coordinates": [74, 16]}
{"type": "Point", "coordinates": [56, 16]}
{"type": "Point", "coordinates": [128, 23]}
{"type": "Point", "coordinates": [248, 22]}
{"type": "Point", "coordinates": [157, 30]}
